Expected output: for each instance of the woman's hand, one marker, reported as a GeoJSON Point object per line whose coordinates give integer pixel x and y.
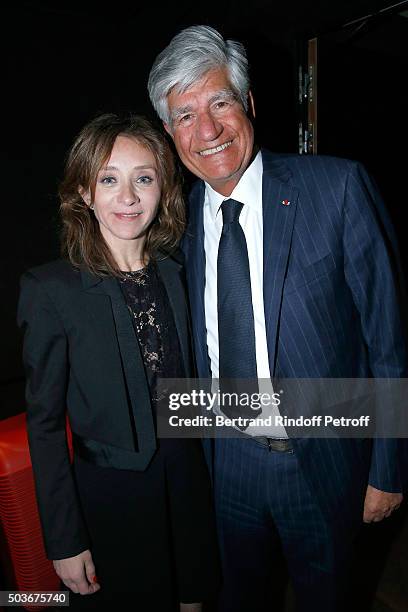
{"type": "Point", "coordinates": [78, 573]}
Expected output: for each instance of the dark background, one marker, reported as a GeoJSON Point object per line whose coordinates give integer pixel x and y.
{"type": "Point", "coordinates": [64, 62]}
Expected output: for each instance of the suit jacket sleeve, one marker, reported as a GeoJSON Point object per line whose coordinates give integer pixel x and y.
{"type": "Point", "coordinates": [372, 272]}
{"type": "Point", "coordinates": [45, 356]}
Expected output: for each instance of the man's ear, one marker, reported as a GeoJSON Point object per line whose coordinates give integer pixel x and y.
{"type": "Point", "coordinates": [167, 128]}
{"type": "Point", "coordinates": [85, 195]}
{"type": "Point", "coordinates": [251, 105]}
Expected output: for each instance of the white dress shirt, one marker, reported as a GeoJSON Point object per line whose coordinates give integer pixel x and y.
{"type": "Point", "coordinates": [249, 192]}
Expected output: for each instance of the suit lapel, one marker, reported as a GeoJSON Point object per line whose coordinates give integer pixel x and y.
{"type": "Point", "coordinates": [170, 275]}
{"type": "Point", "coordinates": [195, 268]}
{"type": "Point", "coordinates": [131, 358]}
{"type": "Point", "coordinates": [279, 200]}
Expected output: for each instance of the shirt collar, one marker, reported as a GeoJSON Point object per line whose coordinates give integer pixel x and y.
{"type": "Point", "coordinates": [248, 190]}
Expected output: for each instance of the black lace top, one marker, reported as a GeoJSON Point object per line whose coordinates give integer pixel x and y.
{"type": "Point", "coordinates": [153, 321]}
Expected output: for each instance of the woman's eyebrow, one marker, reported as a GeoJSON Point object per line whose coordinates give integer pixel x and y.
{"type": "Point", "coordinates": [141, 167]}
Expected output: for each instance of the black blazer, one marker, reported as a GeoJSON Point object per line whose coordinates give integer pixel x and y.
{"type": "Point", "coordinates": [82, 358]}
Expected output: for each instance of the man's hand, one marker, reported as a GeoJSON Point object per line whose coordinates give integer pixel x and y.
{"type": "Point", "coordinates": [78, 573]}
{"type": "Point", "coordinates": [379, 504]}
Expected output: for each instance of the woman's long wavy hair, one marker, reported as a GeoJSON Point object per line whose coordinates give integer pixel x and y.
{"type": "Point", "coordinates": [81, 239]}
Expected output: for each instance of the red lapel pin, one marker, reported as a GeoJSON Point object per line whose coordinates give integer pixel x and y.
{"type": "Point", "coordinates": [285, 202]}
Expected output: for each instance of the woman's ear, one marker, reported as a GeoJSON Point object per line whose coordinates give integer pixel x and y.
{"type": "Point", "coordinates": [86, 196]}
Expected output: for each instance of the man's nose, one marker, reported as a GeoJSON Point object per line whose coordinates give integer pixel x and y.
{"type": "Point", "coordinates": [208, 128]}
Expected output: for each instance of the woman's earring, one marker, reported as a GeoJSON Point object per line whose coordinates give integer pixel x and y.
{"type": "Point", "coordinates": [91, 206]}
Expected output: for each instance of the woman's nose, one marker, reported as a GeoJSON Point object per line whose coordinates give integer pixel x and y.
{"type": "Point", "coordinates": [128, 195]}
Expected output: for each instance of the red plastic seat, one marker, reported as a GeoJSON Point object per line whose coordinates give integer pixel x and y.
{"type": "Point", "coordinates": [24, 554]}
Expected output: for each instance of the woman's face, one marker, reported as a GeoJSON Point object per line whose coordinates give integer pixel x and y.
{"type": "Point", "coordinates": [127, 193]}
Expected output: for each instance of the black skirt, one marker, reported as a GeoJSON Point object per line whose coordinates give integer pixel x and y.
{"type": "Point", "coordinates": [152, 533]}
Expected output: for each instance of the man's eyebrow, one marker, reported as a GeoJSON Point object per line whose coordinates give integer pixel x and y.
{"type": "Point", "coordinates": [222, 94]}
{"type": "Point", "coordinates": [181, 110]}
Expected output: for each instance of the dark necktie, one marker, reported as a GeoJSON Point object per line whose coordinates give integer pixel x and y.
{"type": "Point", "coordinates": [236, 333]}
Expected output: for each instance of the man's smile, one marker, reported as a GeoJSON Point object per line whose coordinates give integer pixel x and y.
{"type": "Point", "coordinates": [218, 149]}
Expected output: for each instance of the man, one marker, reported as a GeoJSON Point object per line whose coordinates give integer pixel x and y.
{"type": "Point", "coordinates": [289, 276]}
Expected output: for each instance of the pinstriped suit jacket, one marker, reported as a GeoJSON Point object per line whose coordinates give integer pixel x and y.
{"type": "Point", "coordinates": [331, 301]}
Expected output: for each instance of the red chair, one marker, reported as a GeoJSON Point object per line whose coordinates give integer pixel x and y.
{"type": "Point", "coordinates": [24, 556]}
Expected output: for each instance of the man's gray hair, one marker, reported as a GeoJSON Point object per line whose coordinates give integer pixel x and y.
{"type": "Point", "coordinates": [188, 57]}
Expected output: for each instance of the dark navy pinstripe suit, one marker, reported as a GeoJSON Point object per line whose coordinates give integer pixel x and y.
{"type": "Point", "coordinates": [331, 310]}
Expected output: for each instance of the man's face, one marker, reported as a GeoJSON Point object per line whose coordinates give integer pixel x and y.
{"type": "Point", "coordinates": [212, 134]}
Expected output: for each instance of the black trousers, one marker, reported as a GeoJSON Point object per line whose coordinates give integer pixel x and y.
{"type": "Point", "coordinates": [153, 532]}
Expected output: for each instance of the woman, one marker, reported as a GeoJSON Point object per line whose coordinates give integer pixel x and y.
{"type": "Point", "coordinates": [131, 518]}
